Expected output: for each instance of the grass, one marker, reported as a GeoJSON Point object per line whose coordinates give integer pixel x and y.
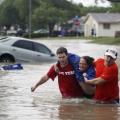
{"type": "Point", "coordinates": [105, 40]}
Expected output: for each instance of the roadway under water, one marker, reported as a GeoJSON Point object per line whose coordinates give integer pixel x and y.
{"type": "Point", "coordinates": [18, 103]}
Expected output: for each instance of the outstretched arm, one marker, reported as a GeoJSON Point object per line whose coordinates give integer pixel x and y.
{"type": "Point", "coordinates": [44, 79]}
{"type": "Point", "coordinates": [95, 81]}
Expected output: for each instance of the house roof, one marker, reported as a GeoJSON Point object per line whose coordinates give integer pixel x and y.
{"type": "Point", "coordinates": [106, 17]}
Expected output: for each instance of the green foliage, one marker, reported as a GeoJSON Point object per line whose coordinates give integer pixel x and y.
{"type": "Point", "coordinates": [114, 1]}
{"type": "Point", "coordinates": [22, 6]}
{"type": "Point", "coordinates": [8, 13]}
{"type": "Point", "coordinates": [38, 35]}
{"type": "Point", "coordinates": [115, 7]}
{"type": "Point", "coordinates": [45, 13]}
{"type": "Point", "coordinates": [86, 10]}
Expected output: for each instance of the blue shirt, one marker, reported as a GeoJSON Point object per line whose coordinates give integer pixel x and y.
{"type": "Point", "coordinates": [74, 61]}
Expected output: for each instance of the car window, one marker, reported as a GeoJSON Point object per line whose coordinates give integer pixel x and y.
{"type": "Point", "coordinates": [24, 44]}
{"type": "Point", "coordinates": [41, 48]}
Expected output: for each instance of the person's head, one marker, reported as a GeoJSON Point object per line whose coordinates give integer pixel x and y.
{"type": "Point", "coordinates": [85, 63]}
{"type": "Point", "coordinates": [62, 55]}
{"type": "Point", "coordinates": [110, 56]}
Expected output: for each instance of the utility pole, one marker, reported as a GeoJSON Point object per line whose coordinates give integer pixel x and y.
{"type": "Point", "coordinates": [30, 16]}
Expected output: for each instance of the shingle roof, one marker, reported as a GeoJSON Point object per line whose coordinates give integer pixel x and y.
{"type": "Point", "coordinates": [106, 17]}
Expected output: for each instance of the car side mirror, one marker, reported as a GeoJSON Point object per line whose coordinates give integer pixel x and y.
{"type": "Point", "coordinates": [52, 55]}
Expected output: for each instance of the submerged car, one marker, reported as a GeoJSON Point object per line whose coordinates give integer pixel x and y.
{"type": "Point", "coordinates": [17, 49]}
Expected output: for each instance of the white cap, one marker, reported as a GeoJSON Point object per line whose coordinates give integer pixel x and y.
{"type": "Point", "coordinates": [111, 52]}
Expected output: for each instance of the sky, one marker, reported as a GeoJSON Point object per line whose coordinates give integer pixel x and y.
{"type": "Point", "coordinates": [91, 2]}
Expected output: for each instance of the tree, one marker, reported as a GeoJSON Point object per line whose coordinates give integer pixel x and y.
{"type": "Point", "coordinates": [47, 16]}
{"type": "Point", "coordinates": [45, 13]}
{"type": "Point", "coordinates": [8, 14]}
{"type": "Point", "coordinates": [96, 1]}
{"type": "Point", "coordinates": [113, 1]}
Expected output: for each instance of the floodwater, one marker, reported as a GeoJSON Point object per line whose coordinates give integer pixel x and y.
{"type": "Point", "coordinates": [18, 103]}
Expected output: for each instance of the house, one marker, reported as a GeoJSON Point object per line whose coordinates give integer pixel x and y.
{"type": "Point", "coordinates": [102, 24]}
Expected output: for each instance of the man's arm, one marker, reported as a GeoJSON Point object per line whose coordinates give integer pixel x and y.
{"type": "Point", "coordinates": [87, 88]}
{"type": "Point", "coordinates": [95, 81]}
{"type": "Point", "coordinates": [44, 79]}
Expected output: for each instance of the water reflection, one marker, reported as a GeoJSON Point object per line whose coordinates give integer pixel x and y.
{"type": "Point", "coordinates": [18, 103]}
{"type": "Point", "coordinates": [87, 111]}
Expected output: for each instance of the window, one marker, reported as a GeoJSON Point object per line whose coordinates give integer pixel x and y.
{"type": "Point", "coordinates": [24, 44]}
{"type": "Point", "coordinates": [106, 26]}
{"type": "Point", "coordinates": [41, 48]}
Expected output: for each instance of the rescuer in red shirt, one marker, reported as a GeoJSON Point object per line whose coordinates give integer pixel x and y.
{"type": "Point", "coordinates": [106, 81]}
{"type": "Point", "coordinates": [68, 85]}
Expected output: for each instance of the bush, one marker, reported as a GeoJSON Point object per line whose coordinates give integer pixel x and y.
{"type": "Point", "coordinates": [36, 35]}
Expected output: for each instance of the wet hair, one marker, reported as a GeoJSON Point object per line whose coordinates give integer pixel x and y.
{"type": "Point", "coordinates": [89, 60]}
{"type": "Point", "coordinates": [62, 50]}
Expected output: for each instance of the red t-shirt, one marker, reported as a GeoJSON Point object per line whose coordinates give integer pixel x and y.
{"type": "Point", "coordinates": [68, 85]}
{"type": "Point", "coordinates": [109, 90]}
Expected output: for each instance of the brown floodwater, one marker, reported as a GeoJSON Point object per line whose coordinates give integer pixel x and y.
{"type": "Point", "coordinates": [18, 103]}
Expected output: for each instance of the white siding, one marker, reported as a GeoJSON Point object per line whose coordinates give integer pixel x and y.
{"type": "Point", "coordinates": [99, 29]}
{"type": "Point", "coordinates": [108, 32]}
{"type": "Point", "coordinates": [89, 25]}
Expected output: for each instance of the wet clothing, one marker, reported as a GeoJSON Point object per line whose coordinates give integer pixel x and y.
{"type": "Point", "coordinates": [74, 61]}
{"type": "Point", "coordinates": [89, 73]}
{"type": "Point", "coordinates": [16, 66]}
{"type": "Point", "coordinates": [68, 85]}
{"type": "Point", "coordinates": [108, 91]}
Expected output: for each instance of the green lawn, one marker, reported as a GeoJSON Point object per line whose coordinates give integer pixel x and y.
{"type": "Point", "coordinates": [105, 40]}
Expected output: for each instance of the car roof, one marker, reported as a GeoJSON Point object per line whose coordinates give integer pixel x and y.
{"type": "Point", "coordinates": [12, 39]}
{"type": "Point", "coordinates": [9, 40]}
{"type": "Point", "coordinates": [16, 38]}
